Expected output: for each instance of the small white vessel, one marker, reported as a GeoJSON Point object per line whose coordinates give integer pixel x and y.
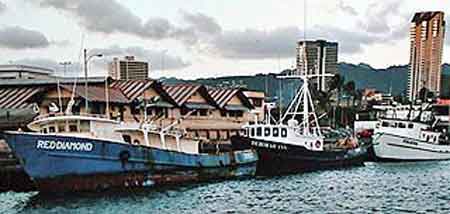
{"type": "Point", "coordinates": [410, 140]}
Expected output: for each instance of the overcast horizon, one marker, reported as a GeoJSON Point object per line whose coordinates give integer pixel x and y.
{"type": "Point", "coordinates": [206, 38]}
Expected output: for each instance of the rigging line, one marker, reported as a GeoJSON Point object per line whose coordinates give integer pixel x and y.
{"type": "Point", "coordinates": [79, 60]}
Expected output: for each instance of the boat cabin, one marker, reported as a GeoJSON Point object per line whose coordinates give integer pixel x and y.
{"type": "Point", "coordinates": [409, 129]}
{"type": "Point", "coordinates": [283, 134]}
{"type": "Point", "coordinates": [76, 125]}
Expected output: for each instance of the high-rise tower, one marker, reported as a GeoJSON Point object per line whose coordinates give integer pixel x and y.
{"type": "Point", "coordinates": [321, 58]}
{"type": "Point", "coordinates": [427, 42]}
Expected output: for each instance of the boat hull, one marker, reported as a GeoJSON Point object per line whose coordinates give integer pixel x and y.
{"type": "Point", "coordinates": [394, 148]}
{"type": "Point", "coordinates": [71, 164]}
{"type": "Point", "coordinates": [275, 158]}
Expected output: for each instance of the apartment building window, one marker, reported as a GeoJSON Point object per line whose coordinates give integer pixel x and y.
{"type": "Point", "coordinates": [236, 114]}
{"type": "Point", "coordinates": [184, 111]}
{"type": "Point", "coordinates": [257, 102]}
{"type": "Point", "coordinates": [203, 112]}
{"type": "Point", "coordinates": [135, 110]}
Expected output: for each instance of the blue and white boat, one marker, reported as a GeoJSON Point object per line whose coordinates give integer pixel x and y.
{"type": "Point", "coordinates": [71, 153]}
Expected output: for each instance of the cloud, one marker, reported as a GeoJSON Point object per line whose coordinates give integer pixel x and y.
{"type": "Point", "coordinates": [109, 16]}
{"type": "Point", "coordinates": [447, 33]}
{"type": "Point", "coordinates": [346, 8]}
{"type": "Point", "coordinates": [379, 15]}
{"type": "Point", "coordinates": [158, 59]}
{"type": "Point", "coordinates": [281, 42]}
{"type": "Point", "coordinates": [2, 7]}
{"type": "Point", "coordinates": [256, 44]}
{"type": "Point", "coordinates": [202, 23]}
{"type": "Point", "coordinates": [21, 38]}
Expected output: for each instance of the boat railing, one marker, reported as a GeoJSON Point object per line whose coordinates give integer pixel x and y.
{"type": "Point", "coordinates": [59, 114]}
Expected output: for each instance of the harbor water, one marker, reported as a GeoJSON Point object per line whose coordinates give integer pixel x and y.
{"type": "Point", "coordinates": [376, 188]}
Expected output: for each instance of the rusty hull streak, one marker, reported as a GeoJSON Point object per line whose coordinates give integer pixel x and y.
{"type": "Point", "coordinates": [102, 182]}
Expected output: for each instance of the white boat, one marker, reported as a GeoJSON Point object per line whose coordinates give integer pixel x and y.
{"type": "Point", "coordinates": [410, 140]}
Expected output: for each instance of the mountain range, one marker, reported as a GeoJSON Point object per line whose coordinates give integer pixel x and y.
{"type": "Point", "coordinates": [393, 79]}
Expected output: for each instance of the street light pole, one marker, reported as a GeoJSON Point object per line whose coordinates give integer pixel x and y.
{"type": "Point", "coordinates": [86, 60]}
{"type": "Point", "coordinates": [65, 64]}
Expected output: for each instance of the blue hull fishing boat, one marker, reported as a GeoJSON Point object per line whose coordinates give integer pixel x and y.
{"type": "Point", "coordinates": [77, 153]}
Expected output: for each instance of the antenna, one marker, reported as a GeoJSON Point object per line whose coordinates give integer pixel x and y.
{"type": "Point", "coordinates": [304, 19]}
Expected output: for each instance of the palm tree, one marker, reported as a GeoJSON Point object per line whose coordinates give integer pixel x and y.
{"type": "Point", "coordinates": [336, 84]}
{"type": "Point", "coordinates": [349, 89]}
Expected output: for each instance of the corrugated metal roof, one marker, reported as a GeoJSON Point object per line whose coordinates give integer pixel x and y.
{"type": "Point", "coordinates": [17, 97]}
{"type": "Point", "coordinates": [133, 88]}
{"type": "Point", "coordinates": [180, 93]}
{"type": "Point", "coordinates": [222, 95]}
{"type": "Point", "coordinates": [97, 93]}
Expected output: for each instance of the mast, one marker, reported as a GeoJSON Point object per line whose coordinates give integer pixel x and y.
{"type": "Point", "coordinates": [86, 103]}
{"type": "Point", "coordinates": [107, 97]}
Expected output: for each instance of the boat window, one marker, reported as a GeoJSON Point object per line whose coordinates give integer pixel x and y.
{"type": "Point", "coordinates": [283, 132]}
{"type": "Point", "coordinates": [253, 132]}
{"type": "Point", "coordinates": [276, 132]}
{"type": "Point", "coordinates": [267, 131]}
{"type": "Point", "coordinates": [385, 124]}
{"type": "Point", "coordinates": [73, 128]}
{"type": "Point", "coordinates": [401, 125]}
{"type": "Point", "coordinates": [84, 126]}
{"type": "Point", "coordinates": [259, 131]}
{"type": "Point", "coordinates": [44, 130]}
{"type": "Point", "coordinates": [51, 129]}
{"type": "Point", "coordinates": [61, 127]}
{"type": "Point", "coordinates": [394, 125]}
{"type": "Point", "coordinates": [245, 132]}
{"type": "Point", "coordinates": [410, 125]}
{"type": "Point", "coordinates": [126, 138]}
{"type": "Point", "coordinates": [136, 142]}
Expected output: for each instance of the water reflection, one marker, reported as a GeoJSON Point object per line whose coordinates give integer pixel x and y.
{"type": "Point", "coordinates": [387, 188]}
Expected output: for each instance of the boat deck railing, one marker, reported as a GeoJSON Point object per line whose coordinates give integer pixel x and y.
{"type": "Point", "coordinates": [59, 114]}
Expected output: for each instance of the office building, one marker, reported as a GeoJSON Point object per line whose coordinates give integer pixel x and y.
{"type": "Point", "coordinates": [11, 71]}
{"type": "Point", "coordinates": [320, 57]}
{"type": "Point", "coordinates": [128, 69]}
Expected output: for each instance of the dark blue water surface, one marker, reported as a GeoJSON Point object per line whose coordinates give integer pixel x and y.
{"type": "Point", "coordinates": [375, 188]}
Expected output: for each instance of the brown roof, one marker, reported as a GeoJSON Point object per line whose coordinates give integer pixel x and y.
{"type": "Point", "coordinates": [97, 93]}
{"type": "Point", "coordinates": [180, 93]}
{"type": "Point", "coordinates": [223, 95]}
{"type": "Point", "coordinates": [133, 88]}
{"type": "Point", "coordinates": [17, 97]}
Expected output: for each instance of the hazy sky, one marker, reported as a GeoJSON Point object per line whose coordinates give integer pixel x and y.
{"type": "Point", "coordinates": [206, 38]}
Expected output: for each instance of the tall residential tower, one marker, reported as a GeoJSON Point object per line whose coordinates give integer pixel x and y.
{"type": "Point", "coordinates": [427, 42]}
{"type": "Point", "coordinates": [321, 58]}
